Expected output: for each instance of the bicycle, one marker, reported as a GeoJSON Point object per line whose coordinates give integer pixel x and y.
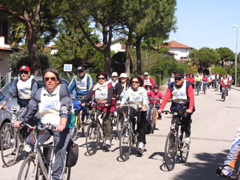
{"type": "Point", "coordinates": [217, 86]}
{"type": "Point", "coordinates": [224, 94]}
{"type": "Point", "coordinates": [153, 114]}
{"type": "Point", "coordinates": [36, 165]}
{"type": "Point", "coordinates": [175, 141]}
{"type": "Point", "coordinates": [94, 132]}
{"type": "Point", "coordinates": [12, 141]}
{"type": "Point", "coordinates": [80, 122]}
{"type": "Point", "coordinates": [198, 86]}
{"type": "Point", "coordinates": [128, 136]}
{"type": "Point", "coordinates": [204, 88]}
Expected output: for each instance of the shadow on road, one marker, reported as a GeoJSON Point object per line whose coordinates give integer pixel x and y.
{"type": "Point", "coordinates": [205, 168]}
{"type": "Point", "coordinates": [233, 107]}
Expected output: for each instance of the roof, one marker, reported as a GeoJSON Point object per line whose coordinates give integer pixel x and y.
{"type": "Point", "coordinates": [175, 44]}
{"type": "Point", "coordinates": [5, 49]}
{"type": "Point", "coordinates": [113, 41]}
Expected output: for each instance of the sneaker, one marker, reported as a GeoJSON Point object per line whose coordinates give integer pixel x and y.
{"type": "Point", "coordinates": [140, 147]}
{"type": "Point", "coordinates": [107, 143]}
{"type": "Point", "coordinates": [227, 171]}
{"type": "Point", "coordinates": [187, 140]}
{"type": "Point", "coordinates": [27, 148]}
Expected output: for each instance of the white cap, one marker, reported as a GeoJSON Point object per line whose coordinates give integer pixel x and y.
{"type": "Point", "coordinates": [114, 74]}
{"type": "Point", "coordinates": [123, 75]}
{"type": "Point", "coordinates": [146, 73]}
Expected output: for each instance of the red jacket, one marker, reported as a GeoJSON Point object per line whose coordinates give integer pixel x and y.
{"type": "Point", "coordinates": [150, 79]}
{"type": "Point", "coordinates": [192, 80]}
{"type": "Point", "coordinates": [226, 84]}
{"type": "Point", "coordinates": [153, 95]}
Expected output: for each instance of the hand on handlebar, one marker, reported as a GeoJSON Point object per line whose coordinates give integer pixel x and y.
{"type": "Point", "coordinates": [60, 128]}
{"type": "Point", "coordinates": [17, 124]}
{"type": "Point", "coordinates": [160, 111]}
{"type": "Point", "coordinates": [144, 108]}
{"type": "Point", "coordinates": [83, 104]}
{"type": "Point", "coordinates": [188, 111]}
{"type": "Point", "coordinates": [1, 107]}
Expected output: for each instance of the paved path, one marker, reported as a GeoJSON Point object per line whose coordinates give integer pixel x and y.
{"type": "Point", "coordinates": [214, 126]}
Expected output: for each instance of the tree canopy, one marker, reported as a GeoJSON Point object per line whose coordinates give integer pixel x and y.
{"type": "Point", "coordinates": [226, 54]}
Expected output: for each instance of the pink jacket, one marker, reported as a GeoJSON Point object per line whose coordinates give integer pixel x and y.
{"type": "Point", "coordinates": [153, 95]}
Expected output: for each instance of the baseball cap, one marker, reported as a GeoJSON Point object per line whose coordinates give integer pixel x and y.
{"type": "Point", "coordinates": [114, 74]}
{"type": "Point", "coordinates": [179, 74]}
{"type": "Point", "coordinates": [146, 73]}
{"type": "Point", "coordinates": [155, 86]}
{"type": "Point", "coordinates": [80, 69]}
{"type": "Point", "coordinates": [123, 75]}
{"type": "Point", "coordinates": [24, 68]}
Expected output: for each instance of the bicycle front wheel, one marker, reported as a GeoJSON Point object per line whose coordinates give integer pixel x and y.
{"type": "Point", "coordinates": [125, 143]}
{"type": "Point", "coordinates": [66, 173]}
{"type": "Point", "coordinates": [184, 149]}
{"type": "Point", "coordinates": [9, 145]}
{"type": "Point", "coordinates": [153, 121]}
{"type": "Point", "coordinates": [27, 169]}
{"type": "Point", "coordinates": [119, 126]}
{"type": "Point", "coordinates": [92, 138]}
{"type": "Point", "coordinates": [170, 154]}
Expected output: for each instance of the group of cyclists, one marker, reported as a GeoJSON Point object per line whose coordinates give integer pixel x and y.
{"type": "Point", "coordinates": [54, 104]}
{"type": "Point", "coordinates": [199, 80]}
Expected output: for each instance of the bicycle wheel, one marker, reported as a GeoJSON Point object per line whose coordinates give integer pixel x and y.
{"type": "Point", "coordinates": [204, 89]}
{"type": "Point", "coordinates": [92, 138]}
{"type": "Point", "coordinates": [224, 95]}
{"type": "Point", "coordinates": [66, 173]}
{"type": "Point", "coordinates": [75, 131]}
{"type": "Point", "coordinates": [9, 145]}
{"type": "Point", "coordinates": [125, 143]}
{"type": "Point", "coordinates": [153, 120]}
{"type": "Point", "coordinates": [85, 124]}
{"type": "Point", "coordinates": [27, 169]}
{"type": "Point", "coordinates": [170, 154]}
{"type": "Point", "coordinates": [184, 150]}
{"type": "Point", "coordinates": [119, 126]}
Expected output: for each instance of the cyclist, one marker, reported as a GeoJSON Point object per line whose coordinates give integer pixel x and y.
{"type": "Point", "coordinates": [155, 93]}
{"type": "Point", "coordinates": [114, 79]}
{"type": "Point", "coordinates": [103, 92]}
{"type": "Point", "coordinates": [137, 95]}
{"type": "Point", "coordinates": [25, 87]}
{"type": "Point", "coordinates": [53, 102]}
{"type": "Point", "coordinates": [213, 80]}
{"type": "Point", "coordinates": [198, 81]}
{"type": "Point", "coordinates": [147, 79]}
{"type": "Point", "coordinates": [148, 87]}
{"type": "Point", "coordinates": [225, 84]}
{"type": "Point", "coordinates": [205, 81]}
{"type": "Point", "coordinates": [82, 83]}
{"type": "Point", "coordinates": [220, 80]}
{"type": "Point", "coordinates": [232, 156]}
{"type": "Point", "coordinates": [182, 95]}
{"type": "Point", "coordinates": [191, 78]}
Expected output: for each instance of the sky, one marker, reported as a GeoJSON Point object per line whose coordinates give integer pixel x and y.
{"type": "Point", "coordinates": [207, 23]}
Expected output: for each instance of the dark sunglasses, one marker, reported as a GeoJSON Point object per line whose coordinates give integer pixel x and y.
{"type": "Point", "coordinates": [80, 71]}
{"type": "Point", "coordinates": [134, 82]}
{"type": "Point", "coordinates": [101, 78]}
{"type": "Point", "coordinates": [52, 78]}
{"type": "Point", "coordinates": [178, 79]}
{"type": "Point", "coordinates": [23, 72]}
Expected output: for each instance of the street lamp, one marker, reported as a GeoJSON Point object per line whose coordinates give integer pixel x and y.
{"type": "Point", "coordinates": [236, 26]}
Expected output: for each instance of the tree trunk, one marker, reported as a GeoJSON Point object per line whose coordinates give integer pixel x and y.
{"type": "Point", "coordinates": [138, 51]}
{"type": "Point", "coordinates": [128, 58]}
{"type": "Point", "coordinates": [223, 63]}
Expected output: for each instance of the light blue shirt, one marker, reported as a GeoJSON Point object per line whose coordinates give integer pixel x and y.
{"type": "Point", "coordinates": [144, 94]}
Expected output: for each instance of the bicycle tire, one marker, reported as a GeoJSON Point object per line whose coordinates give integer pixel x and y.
{"type": "Point", "coordinates": [204, 89]}
{"type": "Point", "coordinates": [119, 126]}
{"type": "Point", "coordinates": [125, 142]}
{"type": "Point", "coordinates": [10, 143]}
{"type": "Point", "coordinates": [66, 173]}
{"type": "Point", "coordinates": [224, 95]}
{"type": "Point", "coordinates": [92, 138]}
{"type": "Point", "coordinates": [153, 121]}
{"type": "Point", "coordinates": [184, 150]}
{"type": "Point", "coordinates": [74, 133]}
{"type": "Point", "coordinates": [29, 171]}
{"type": "Point", "coordinates": [170, 154]}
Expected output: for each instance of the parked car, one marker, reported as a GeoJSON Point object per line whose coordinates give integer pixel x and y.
{"type": "Point", "coordinates": [5, 115]}
{"type": "Point", "coordinates": [13, 102]}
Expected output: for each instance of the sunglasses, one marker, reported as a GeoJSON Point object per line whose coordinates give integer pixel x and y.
{"type": "Point", "coordinates": [101, 78]}
{"type": "Point", "coordinates": [48, 78]}
{"type": "Point", "coordinates": [23, 72]}
{"type": "Point", "coordinates": [178, 79]}
{"type": "Point", "coordinates": [136, 82]}
{"type": "Point", "coordinates": [80, 71]}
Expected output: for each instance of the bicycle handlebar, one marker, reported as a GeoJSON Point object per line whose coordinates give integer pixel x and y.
{"type": "Point", "coordinates": [39, 127]}
{"type": "Point", "coordinates": [133, 106]}
{"type": "Point", "coordinates": [174, 112]}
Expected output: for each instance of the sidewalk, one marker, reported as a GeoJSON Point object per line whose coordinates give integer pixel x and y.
{"type": "Point", "coordinates": [235, 87]}
{"type": "Point", "coordinates": [163, 88]}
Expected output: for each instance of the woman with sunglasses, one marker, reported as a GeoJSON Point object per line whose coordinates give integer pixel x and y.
{"type": "Point", "coordinates": [53, 102]}
{"type": "Point", "coordinates": [137, 95]}
{"type": "Point", "coordinates": [103, 93]}
{"type": "Point", "coordinates": [25, 87]}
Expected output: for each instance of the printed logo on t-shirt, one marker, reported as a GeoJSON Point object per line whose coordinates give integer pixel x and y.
{"type": "Point", "coordinates": [50, 105]}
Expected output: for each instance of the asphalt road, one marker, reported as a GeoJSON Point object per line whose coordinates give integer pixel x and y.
{"type": "Point", "coordinates": [214, 126]}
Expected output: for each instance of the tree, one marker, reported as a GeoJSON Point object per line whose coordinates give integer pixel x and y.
{"type": "Point", "coordinates": [204, 57]}
{"type": "Point", "coordinates": [219, 70]}
{"type": "Point", "coordinates": [33, 13]}
{"type": "Point", "coordinates": [226, 54]}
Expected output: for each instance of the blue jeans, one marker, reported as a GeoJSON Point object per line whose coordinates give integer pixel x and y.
{"type": "Point", "coordinates": [205, 84]}
{"type": "Point", "coordinates": [223, 91]}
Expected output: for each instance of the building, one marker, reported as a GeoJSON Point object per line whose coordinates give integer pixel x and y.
{"type": "Point", "coordinates": [53, 49]}
{"type": "Point", "coordinates": [117, 44]}
{"type": "Point", "coordinates": [180, 51]}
